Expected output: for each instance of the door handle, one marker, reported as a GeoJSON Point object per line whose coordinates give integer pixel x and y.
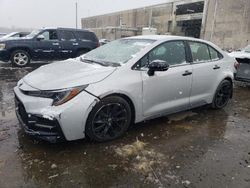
{"type": "Point", "coordinates": [75, 44]}
{"type": "Point", "coordinates": [55, 44]}
{"type": "Point", "coordinates": [187, 73]}
{"type": "Point", "coordinates": [216, 67]}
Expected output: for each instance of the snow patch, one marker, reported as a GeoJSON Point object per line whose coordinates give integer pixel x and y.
{"type": "Point", "coordinates": [49, 113]}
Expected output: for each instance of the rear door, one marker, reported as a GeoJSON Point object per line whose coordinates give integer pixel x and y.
{"type": "Point", "coordinates": [47, 49]}
{"type": "Point", "coordinates": [207, 66]}
{"type": "Point", "coordinates": [87, 40]}
{"type": "Point", "coordinates": [69, 43]}
{"type": "Point", "coordinates": [168, 91]}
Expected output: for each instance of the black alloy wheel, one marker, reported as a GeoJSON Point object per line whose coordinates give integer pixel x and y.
{"type": "Point", "coordinates": [109, 119]}
{"type": "Point", "coordinates": [223, 94]}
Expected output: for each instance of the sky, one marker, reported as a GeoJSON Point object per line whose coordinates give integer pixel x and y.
{"type": "Point", "coordinates": [60, 13]}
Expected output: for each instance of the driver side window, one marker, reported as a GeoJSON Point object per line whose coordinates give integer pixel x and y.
{"type": "Point", "coordinates": [50, 35]}
{"type": "Point", "coordinates": [173, 53]}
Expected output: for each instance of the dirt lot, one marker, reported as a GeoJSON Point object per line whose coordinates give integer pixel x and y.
{"type": "Point", "coordinates": [200, 148]}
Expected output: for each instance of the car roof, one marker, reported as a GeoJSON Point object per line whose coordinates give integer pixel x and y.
{"type": "Point", "coordinates": [69, 29]}
{"type": "Point", "coordinates": [165, 38]}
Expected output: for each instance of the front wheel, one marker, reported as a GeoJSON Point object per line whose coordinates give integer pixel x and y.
{"type": "Point", "coordinates": [222, 95]}
{"type": "Point", "coordinates": [20, 58]}
{"type": "Point", "coordinates": [109, 119]}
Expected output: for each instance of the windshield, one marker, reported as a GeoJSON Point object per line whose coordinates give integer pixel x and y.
{"type": "Point", "coordinates": [247, 49]}
{"type": "Point", "coordinates": [33, 34]}
{"type": "Point", "coordinates": [119, 51]}
{"type": "Point", "coordinates": [9, 35]}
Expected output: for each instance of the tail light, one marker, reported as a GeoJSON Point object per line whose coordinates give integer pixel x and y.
{"type": "Point", "coordinates": [236, 65]}
{"type": "Point", "coordinates": [98, 44]}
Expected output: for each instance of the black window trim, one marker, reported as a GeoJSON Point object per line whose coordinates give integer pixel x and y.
{"type": "Point", "coordinates": [187, 53]}
{"type": "Point", "coordinates": [192, 61]}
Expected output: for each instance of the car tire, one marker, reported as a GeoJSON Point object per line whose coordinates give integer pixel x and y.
{"type": "Point", "coordinates": [20, 58]}
{"type": "Point", "coordinates": [109, 119]}
{"type": "Point", "coordinates": [222, 95]}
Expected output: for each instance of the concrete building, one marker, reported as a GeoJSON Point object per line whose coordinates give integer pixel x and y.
{"type": "Point", "coordinates": [224, 22]}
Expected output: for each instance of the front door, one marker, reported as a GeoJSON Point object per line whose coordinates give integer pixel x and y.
{"type": "Point", "coordinates": [168, 91]}
{"type": "Point", "coordinates": [48, 48]}
{"type": "Point", "coordinates": [69, 44]}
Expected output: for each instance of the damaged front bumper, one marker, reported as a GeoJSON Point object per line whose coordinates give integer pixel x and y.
{"type": "Point", "coordinates": [53, 123]}
{"type": "Point", "coordinates": [37, 126]}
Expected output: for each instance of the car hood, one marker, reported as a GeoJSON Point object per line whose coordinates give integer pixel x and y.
{"type": "Point", "coordinates": [67, 74]}
{"type": "Point", "coordinates": [15, 39]}
{"type": "Point", "coordinates": [240, 54]}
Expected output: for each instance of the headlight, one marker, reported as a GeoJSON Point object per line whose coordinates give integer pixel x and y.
{"type": "Point", "coordinates": [2, 46]}
{"type": "Point", "coordinates": [59, 96]}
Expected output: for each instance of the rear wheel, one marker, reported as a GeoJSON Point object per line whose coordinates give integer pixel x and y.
{"type": "Point", "coordinates": [20, 58]}
{"type": "Point", "coordinates": [222, 95]}
{"type": "Point", "coordinates": [109, 119]}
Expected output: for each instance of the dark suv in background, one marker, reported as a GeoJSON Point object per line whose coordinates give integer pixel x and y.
{"type": "Point", "coordinates": [48, 44]}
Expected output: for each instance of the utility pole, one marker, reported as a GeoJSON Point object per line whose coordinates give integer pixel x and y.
{"type": "Point", "coordinates": [76, 16]}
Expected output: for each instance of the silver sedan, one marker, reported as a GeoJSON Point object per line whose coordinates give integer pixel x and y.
{"type": "Point", "coordinates": [103, 92]}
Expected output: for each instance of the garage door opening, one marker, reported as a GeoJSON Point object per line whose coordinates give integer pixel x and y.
{"type": "Point", "coordinates": [190, 28]}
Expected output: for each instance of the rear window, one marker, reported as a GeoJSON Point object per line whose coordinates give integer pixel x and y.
{"type": "Point", "coordinates": [214, 54]}
{"type": "Point", "coordinates": [67, 36]}
{"type": "Point", "coordinates": [86, 36]}
{"type": "Point", "coordinates": [200, 52]}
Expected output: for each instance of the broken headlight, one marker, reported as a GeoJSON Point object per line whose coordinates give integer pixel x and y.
{"type": "Point", "coordinates": [59, 96]}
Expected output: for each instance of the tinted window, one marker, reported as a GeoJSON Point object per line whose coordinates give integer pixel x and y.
{"type": "Point", "coordinates": [200, 52]}
{"type": "Point", "coordinates": [67, 36]}
{"type": "Point", "coordinates": [16, 35]}
{"type": "Point", "coordinates": [171, 52]}
{"type": "Point", "coordinates": [23, 35]}
{"type": "Point", "coordinates": [50, 35]}
{"type": "Point", "coordinates": [83, 35]}
{"type": "Point", "coordinates": [214, 54]}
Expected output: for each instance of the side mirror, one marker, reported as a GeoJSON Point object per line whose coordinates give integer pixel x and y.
{"type": "Point", "coordinates": [157, 65]}
{"type": "Point", "coordinates": [40, 37]}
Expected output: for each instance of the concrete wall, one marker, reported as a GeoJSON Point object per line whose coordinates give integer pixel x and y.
{"type": "Point", "coordinates": [131, 22]}
{"type": "Point", "coordinates": [228, 23]}
{"type": "Point", "coordinates": [225, 22]}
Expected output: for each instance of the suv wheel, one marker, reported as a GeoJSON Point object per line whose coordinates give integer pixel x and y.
{"type": "Point", "coordinates": [222, 95]}
{"type": "Point", "coordinates": [109, 119]}
{"type": "Point", "coordinates": [20, 58]}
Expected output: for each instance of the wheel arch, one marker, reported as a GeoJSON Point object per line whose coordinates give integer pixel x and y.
{"type": "Point", "coordinates": [228, 78]}
{"type": "Point", "coordinates": [125, 97]}
{"type": "Point", "coordinates": [27, 49]}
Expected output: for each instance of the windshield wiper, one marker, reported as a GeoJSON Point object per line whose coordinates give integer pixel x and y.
{"type": "Point", "coordinates": [93, 61]}
{"type": "Point", "coordinates": [103, 63]}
